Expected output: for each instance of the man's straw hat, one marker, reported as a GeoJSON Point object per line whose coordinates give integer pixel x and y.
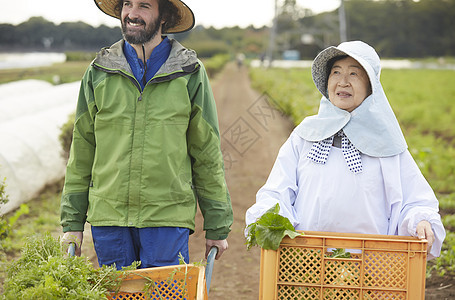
{"type": "Point", "coordinates": [186, 21]}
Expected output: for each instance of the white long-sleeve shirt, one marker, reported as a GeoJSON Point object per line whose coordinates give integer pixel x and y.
{"type": "Point", "coordinates": [390, 196]}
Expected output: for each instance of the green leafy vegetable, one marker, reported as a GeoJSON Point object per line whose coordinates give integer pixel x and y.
{"type": "Point", "coordinates": [268, 231]}
{"type": "Point", "coordinates": [340, 253]}
{"type": "Point", "coordinates": [44, 271]}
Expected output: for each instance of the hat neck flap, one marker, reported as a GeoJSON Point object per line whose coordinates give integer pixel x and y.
{"type": "Point", "coordinates": [372, 127]}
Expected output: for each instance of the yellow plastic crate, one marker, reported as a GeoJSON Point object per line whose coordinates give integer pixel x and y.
{"type": "Point", "coordinates": [380, 267]}
{"type": "Point", "coordinates": [171, 282]}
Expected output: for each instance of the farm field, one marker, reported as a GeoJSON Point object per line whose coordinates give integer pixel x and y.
{"type": "Point", "coordinates": [249, 158]}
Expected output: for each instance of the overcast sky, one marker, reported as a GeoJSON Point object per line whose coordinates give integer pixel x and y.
{"type": "Point", "coordinates": [215, 13]}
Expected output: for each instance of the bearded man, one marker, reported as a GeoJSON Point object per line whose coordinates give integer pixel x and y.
{"type": "Point", "coordinates": [146, 144]}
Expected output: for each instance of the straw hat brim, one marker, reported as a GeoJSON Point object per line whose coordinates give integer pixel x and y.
{"type": "Point", "coordinates": [186, 22]}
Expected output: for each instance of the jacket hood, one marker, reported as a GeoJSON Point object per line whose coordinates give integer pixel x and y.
{"type": "Point", "coordinates": [372, 127]}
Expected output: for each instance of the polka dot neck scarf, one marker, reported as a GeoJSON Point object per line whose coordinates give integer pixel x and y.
{"type": "Point", "coordinates": [320, 150]}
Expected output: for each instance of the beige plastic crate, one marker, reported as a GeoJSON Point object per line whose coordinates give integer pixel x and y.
{"type": "Point", "coordinates": [172, 282]}
{"type": "Point", "coordinates": [380, 267]}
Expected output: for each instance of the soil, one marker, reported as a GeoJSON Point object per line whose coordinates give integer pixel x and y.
{"type": "Point", "coordinates": [252, 133]}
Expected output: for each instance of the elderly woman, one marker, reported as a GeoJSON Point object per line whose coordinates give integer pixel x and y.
{"type": "Point", "coordinates": [348, 169]}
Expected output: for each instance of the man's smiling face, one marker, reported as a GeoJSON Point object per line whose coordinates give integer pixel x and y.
{"type": "Point", "coordinates": [141, 21]}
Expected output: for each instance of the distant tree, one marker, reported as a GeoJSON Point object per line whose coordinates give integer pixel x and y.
{"type": "Point", "coordinates": [8, 34]}
{"type": "Point", "coordinates": [404, 28]}
{"type": "Point", "coordinates": [396, 28]}
{"type": "Point", "coordinates": [33, 32]}
{"type": "Point", "coordinates": [288, 31]}
{"type": "Point", "coordinates": [39, 34]}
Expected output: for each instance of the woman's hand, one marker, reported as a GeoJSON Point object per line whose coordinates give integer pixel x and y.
{"type": "Point", "coordinates": [424, 231]}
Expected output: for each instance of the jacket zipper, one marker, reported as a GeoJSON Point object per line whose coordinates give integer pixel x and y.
{"type": "Point", "coordinates": [131, 78]}
{"type": "Point", "coordinates": [138, 86]}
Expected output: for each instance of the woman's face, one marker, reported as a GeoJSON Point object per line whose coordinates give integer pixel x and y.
{"type": "Point", "coordinates": [348, 84]}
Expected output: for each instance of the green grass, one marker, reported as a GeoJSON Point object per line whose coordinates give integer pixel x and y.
{"type": "Point", "coordinates": [216, 63]}
{"type": "Point", "coordinates": [418, 96]}
{"type": "Point", "coordinates": [43, 216]}
{"type": "Point", "coordinates": [424, 103]}
{"type": "Point", "coordinates": [66, 72]}
{"type": "Point", "coordinates": [447, 203]}
{"type": "Point", "coordinates": [73, 69]}
{"type": "Point", "coordinates": [292, 90]}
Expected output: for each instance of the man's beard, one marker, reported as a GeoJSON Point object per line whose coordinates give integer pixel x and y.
{"type": "Point", "coordinates": [142, 36]}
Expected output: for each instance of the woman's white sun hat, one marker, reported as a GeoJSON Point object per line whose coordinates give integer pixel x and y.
{"type": "Point", "coordinates": [185, 23]}
{"type": "Point", "coordinates": [360, 51]}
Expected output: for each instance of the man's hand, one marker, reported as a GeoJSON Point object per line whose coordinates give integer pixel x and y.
{"type": "Point", "coordinates": [75, 237]}
{"type": "Point", "coordinates": [222, 246]}
{"type": "Point", "coordinates": [424, 231]}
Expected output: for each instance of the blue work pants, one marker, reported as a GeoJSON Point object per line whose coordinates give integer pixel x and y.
{"type": "Point", "coordinates": [152, 246]}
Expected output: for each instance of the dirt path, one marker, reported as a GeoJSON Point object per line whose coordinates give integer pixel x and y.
{"type": "Point", "coordinates": [252, 133]}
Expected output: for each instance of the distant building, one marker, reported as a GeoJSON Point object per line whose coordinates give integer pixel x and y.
{"type": "Point", "coordinates": [291, 55]}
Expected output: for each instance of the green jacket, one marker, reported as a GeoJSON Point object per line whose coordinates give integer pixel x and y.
{"type": "Point", "coordinates": [146, 158]}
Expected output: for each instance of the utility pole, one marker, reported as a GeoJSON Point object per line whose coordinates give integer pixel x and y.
{"type": "Point", "coordinates": [272, 35]}
{"type": "Point", "coordinates": [342, 20]}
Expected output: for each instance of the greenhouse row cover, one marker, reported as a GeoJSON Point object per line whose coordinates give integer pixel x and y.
{"type": "Point", "coordinates": [32, 113]}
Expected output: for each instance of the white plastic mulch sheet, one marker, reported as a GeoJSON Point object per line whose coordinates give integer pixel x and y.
{"type": "Point", "coordinates": [32, 113]}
